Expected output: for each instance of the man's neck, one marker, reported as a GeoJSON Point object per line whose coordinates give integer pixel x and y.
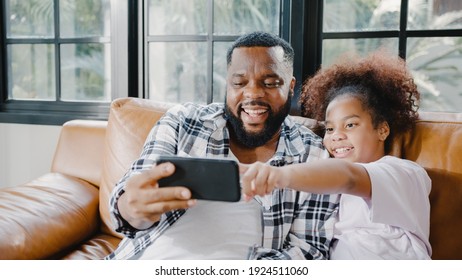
{"type": "Point", "coordinates": [250, 155]}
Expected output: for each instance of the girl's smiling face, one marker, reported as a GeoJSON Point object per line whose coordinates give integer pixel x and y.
{"type": "Point", "coordinates": [350, 133]}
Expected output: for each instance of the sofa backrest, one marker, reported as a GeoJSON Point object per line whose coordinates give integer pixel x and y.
{"type": "Point", "coordinates": [436, 144]}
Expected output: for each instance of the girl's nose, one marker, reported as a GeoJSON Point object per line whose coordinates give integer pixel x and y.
{"type": "Point", "coordinates": [338, 135]}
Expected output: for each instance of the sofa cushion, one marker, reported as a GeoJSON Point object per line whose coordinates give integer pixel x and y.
{"type": "Point", "coordinates": [96, 248]}
{"type": "Point", "coordinates": [436, 144]}
{"type": "Point", "coordinates": [60, 211]}
{"type": "Point", "coordinates": [446, 208]}
{"type": "Point", "coordinates": [130, 121]}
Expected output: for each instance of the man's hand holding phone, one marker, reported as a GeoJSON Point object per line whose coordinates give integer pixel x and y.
{"type": "Point", "coordinates": [143, 202]}
{"type": "Point", "coordinates": [175, 183]}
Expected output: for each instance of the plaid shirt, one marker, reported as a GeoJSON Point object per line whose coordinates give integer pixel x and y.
{"type": "Point", "coordinates": [296, 225]}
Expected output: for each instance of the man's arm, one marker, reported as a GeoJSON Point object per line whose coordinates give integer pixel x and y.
{"type": "Point", "coordinates": [137, 202]}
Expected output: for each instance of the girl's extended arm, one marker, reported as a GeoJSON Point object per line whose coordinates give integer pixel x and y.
{"type": "Point", "coordinates": [322, 176]}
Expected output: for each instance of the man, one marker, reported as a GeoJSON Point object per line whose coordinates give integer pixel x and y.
{"type": "Point", "coordinates": [253, 125]}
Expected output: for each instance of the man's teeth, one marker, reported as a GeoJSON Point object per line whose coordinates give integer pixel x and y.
{"type": "Point", "coordinates": [255, 112]}
{"type": "Point", "coordinates": [342, 150]}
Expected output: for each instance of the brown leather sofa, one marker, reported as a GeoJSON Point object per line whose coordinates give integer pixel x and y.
{"type": "Point", "coordinates": [64, 214]}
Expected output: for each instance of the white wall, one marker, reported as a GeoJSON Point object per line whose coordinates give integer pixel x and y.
{"type": "Point", "coordinates": [26, 152]}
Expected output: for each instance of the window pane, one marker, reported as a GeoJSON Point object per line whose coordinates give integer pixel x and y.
{"type": "Point", "coordinates": [32, 18]}
{"type": "Point", "coordinates": [219, 70]}
{"type": "Point", "coordinates": [85, 72]}
{"type": "Point", "coordinates": [31, 72]}
{"type": "Point", "coordinates": [84, 18]}
{"type": "Point", "coordinates": [178, 72]}
{"type": "Point", "coordinates": [332, 49]}
{"type": "Point", "coordinates": [437, 14]}
{"type": "Point", "coordinates": [177, 17]}
{"type": "Point", "coordinates": [234, 17]}
{"type": "Point", "coordinates": [437, 69]}
{"type": "Point", "coordinates": [361, 15]}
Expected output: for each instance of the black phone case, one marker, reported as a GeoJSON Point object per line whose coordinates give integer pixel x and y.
{"type": "Point", "coordinates": [208, 179]}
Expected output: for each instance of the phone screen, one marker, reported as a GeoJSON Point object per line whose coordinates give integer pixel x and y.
{"type": "Point", "coordinates": [208, 179]}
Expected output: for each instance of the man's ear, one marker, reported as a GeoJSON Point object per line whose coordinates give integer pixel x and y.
{"type": "Point", "coordinates": [292, 86]}
{"type": "Point", "coordinates": [383, 130]}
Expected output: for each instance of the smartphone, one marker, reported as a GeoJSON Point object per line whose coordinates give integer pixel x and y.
{"type": "Point", "coordinates": [208, 179]}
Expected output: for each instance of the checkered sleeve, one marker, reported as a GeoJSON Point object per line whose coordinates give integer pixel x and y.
{"type": "Point", "coordinates": [312, 229]}
{"type": "Point", "coordinates": [303, 230]}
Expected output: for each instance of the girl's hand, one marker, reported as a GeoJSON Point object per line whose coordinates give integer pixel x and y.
{"type": "Point", "coordinates": [259, 179]}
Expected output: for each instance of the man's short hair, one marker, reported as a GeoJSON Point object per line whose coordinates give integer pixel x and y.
{"type": "Point", "coordinates": [262, 39]}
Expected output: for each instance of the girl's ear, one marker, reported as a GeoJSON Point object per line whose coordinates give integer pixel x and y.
{"type": "Point", "coordinates": [384, 131]}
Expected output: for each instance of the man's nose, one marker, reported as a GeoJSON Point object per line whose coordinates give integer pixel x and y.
{"type": "Point", "coordinates": [254, 90]}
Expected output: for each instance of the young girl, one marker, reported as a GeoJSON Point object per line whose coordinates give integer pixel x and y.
{"type": "Point", "coordinates": [384, 210]}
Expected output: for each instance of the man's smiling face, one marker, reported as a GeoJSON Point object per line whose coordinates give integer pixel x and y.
{"type": "Point", "coordinates": [258, 97]}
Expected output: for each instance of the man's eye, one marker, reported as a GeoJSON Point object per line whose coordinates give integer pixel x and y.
{"type": "Point", "coordinates": [274, 84]}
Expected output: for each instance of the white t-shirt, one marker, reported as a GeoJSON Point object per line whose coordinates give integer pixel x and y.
{"type": "Point", "coordinates": [210, 230]}
{"type": "Point", "coordinates": [394, 223]}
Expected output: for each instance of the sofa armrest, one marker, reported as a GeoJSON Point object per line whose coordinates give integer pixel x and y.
{"type": "Point", "coordinates": [79, 152]}
{"type": "Point", "coordinates": [45, 216]}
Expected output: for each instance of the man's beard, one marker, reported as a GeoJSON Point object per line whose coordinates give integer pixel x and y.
{"type": "Point", "coordinates": [272, 125]}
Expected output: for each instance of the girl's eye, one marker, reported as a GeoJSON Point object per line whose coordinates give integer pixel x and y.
{"type": "Point", "coordinates": [350, 125]}
{"type": "Point", "coordinates": [329, 129]}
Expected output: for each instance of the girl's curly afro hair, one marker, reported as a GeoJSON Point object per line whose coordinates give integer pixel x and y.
{"type": "Point", "coordinates": [381, 81]}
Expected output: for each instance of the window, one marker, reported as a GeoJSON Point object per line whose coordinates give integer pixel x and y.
{"type": "Point", "coordinates": [66, 59]}
{"type": "Point", "coordinates": [186, 42]}
{"type": "Point", "coordinates": [57, 59]}
{"type": "Point", "coordinates": [426, 33]}
{"type": "Point", "coordinates": [175, 51]}
{"type": "Point", "coordinates": [191, 42]}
